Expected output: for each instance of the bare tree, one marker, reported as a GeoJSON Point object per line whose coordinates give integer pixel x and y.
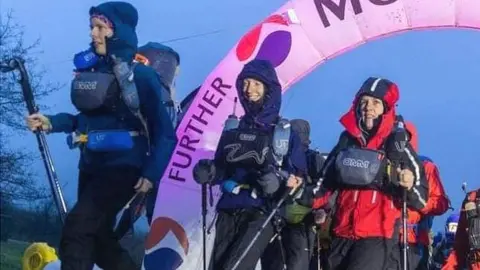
{"type": "Point", "coordinates": [17, 181]}
{"type": "Point", "coordinates": [12, 106]}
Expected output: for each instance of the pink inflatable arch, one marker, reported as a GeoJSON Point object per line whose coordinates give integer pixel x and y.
{"type": "Point", "coordinates": [296, 38]}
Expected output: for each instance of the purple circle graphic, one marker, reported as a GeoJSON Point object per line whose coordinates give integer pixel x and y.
{"type": "Point", "coordinates": [275, 47]}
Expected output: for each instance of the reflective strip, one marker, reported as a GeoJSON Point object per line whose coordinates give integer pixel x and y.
{"type": "Point", "coordinates": [374, 197]}
{"type": "Point", "coordinates": [422, 200]}
{"type": "Point", "coordinates": [374, 85]}
{"type": "Point", "coordinates": [355, 198]}
{"type": "Point", "coordinates": [415, 165]}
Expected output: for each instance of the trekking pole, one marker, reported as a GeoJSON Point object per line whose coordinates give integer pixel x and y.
{"type": "Point", "coordinates": [132, 211]}
{"type": "Point", "coordinates": [265, 223]}
{"type": "Point", "coordinates": [319, 250]}
{"type": "Point", "coordinates": [18, 64]}
{"type": "Point", "coordinates": [204, 224]}
{"type": "Point", "coordinates": [405, 230]}
{"type": "Point", "coordinates": [278, 236]}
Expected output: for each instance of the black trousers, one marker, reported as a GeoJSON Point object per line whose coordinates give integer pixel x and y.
{"type": "Point", "coordinates": [425, 258]}
{"type": "Point", "coordinates": [364, 254]}
{"type": "Point", "coordinates": [293, 248]}
{"type": "Point", "coordinates": [235, 230]}
{"type": "Point", "coordinates": [87, 235]}
{"type": "Point", "coordinates": [414, 257]}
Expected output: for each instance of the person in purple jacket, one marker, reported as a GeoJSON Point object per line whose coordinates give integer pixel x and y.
{"type": "Point", "coordinates": [249, 171]}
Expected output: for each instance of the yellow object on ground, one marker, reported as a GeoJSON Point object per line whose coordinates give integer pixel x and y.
{"type": "Point", "coordinates": [37, 255]}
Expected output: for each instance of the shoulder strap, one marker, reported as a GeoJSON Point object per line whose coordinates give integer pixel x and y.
{"type": "Point", "coordinates": [281, 140]}
{"type": "Point", "coordinates": [132, 100]}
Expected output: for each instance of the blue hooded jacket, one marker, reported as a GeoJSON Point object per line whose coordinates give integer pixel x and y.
{"type": "Point", "coordinates": [262, 117]}
{"type": "Point", "coordinates": [123, 44]}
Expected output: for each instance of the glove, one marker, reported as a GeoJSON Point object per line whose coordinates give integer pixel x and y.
{"type": "Point", "coordinates": [320, 216]}
{"type": "Point", "coordinates": [39, 121]}
{"type": "Point", "coordinates": [204, 171]}
{"type": "Point", "coordinates": [269, 183]}
{"type": "Point", "coordinates": [231, 186]}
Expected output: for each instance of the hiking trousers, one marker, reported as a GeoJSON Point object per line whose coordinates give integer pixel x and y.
{"type": "Point", "coordinates": [87, 235]}
{"type": "Point", "coordinates": [234, 231]}
{"type": "Point", "coordinates": [292, 248]}
{"type": "Point", "coordinates": [363, 254]}
{"type": "Point", "coordinates": [414, 257]}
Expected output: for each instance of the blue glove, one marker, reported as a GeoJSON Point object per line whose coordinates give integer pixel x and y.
{"type": "Point", "coordinates": [231, 186]}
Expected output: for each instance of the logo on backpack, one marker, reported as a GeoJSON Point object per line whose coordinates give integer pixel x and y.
{"type": "Point", "coordinates": [247, 137]}
{"type": "Point", "coordinates": [281, 144]}
{"type": "Point", "coordinates": [358, 163]}
{"type": "Point", "coordinates": [232, 157]}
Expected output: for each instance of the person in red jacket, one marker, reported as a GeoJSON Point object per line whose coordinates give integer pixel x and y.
{"type": "Point", "coordinates": [372, 167]}
{"type": "Point", "coordinates": [466, 249]}
{"type": "Point", "coordinates": [419, 222]}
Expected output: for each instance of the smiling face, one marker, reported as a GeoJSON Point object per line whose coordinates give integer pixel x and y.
{"type": "Point", "coordinates": [253, 89]}
{"type": "Point", "coordinates": [370, 109]}
{"type": "Point", "coordinates": [99, 32]}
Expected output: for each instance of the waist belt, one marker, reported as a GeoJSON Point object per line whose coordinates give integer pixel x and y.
{"type": "Point", "coordinates": [75, 139]}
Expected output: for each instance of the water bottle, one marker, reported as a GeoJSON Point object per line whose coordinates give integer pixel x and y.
{"type": "Point", "coordinates": [85, 59]}
{"type": "Point", "coordinates": [232, 121]}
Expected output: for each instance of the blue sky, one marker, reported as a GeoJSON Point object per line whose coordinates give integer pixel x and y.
{"type": "Point", "coordinates": [438, 72]}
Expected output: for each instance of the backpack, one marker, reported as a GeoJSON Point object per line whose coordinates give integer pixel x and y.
{"type": "Point", "coordinates": [315, 163]}
{"type": "Point", "coordinates": [166, 62]}
{"type": "Point", "coordinates": [185, 104]}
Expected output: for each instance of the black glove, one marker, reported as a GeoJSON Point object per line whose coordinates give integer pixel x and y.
{"type": "Point", "coordinates": [204, 171]}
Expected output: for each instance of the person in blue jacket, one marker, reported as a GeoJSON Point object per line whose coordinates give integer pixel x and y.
{"type": "Point", "coordinates": [124, 134]}
{"type": "Point", "coordinates": [443, 247]}
{"type": "Point", "coordinates": [247, 171]}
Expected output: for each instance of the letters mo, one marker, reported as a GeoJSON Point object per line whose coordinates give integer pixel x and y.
{"type": "Point", "coordinates": [339, 9]}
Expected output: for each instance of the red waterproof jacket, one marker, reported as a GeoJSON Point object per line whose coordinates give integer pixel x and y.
{"type": "Point", "coordinates": [458, 257]}
{"type": "Point", "coordinates": [362, 213]}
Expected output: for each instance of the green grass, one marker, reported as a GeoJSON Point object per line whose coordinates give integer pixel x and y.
{"type": "Point", "coordinates": [11, 255]}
